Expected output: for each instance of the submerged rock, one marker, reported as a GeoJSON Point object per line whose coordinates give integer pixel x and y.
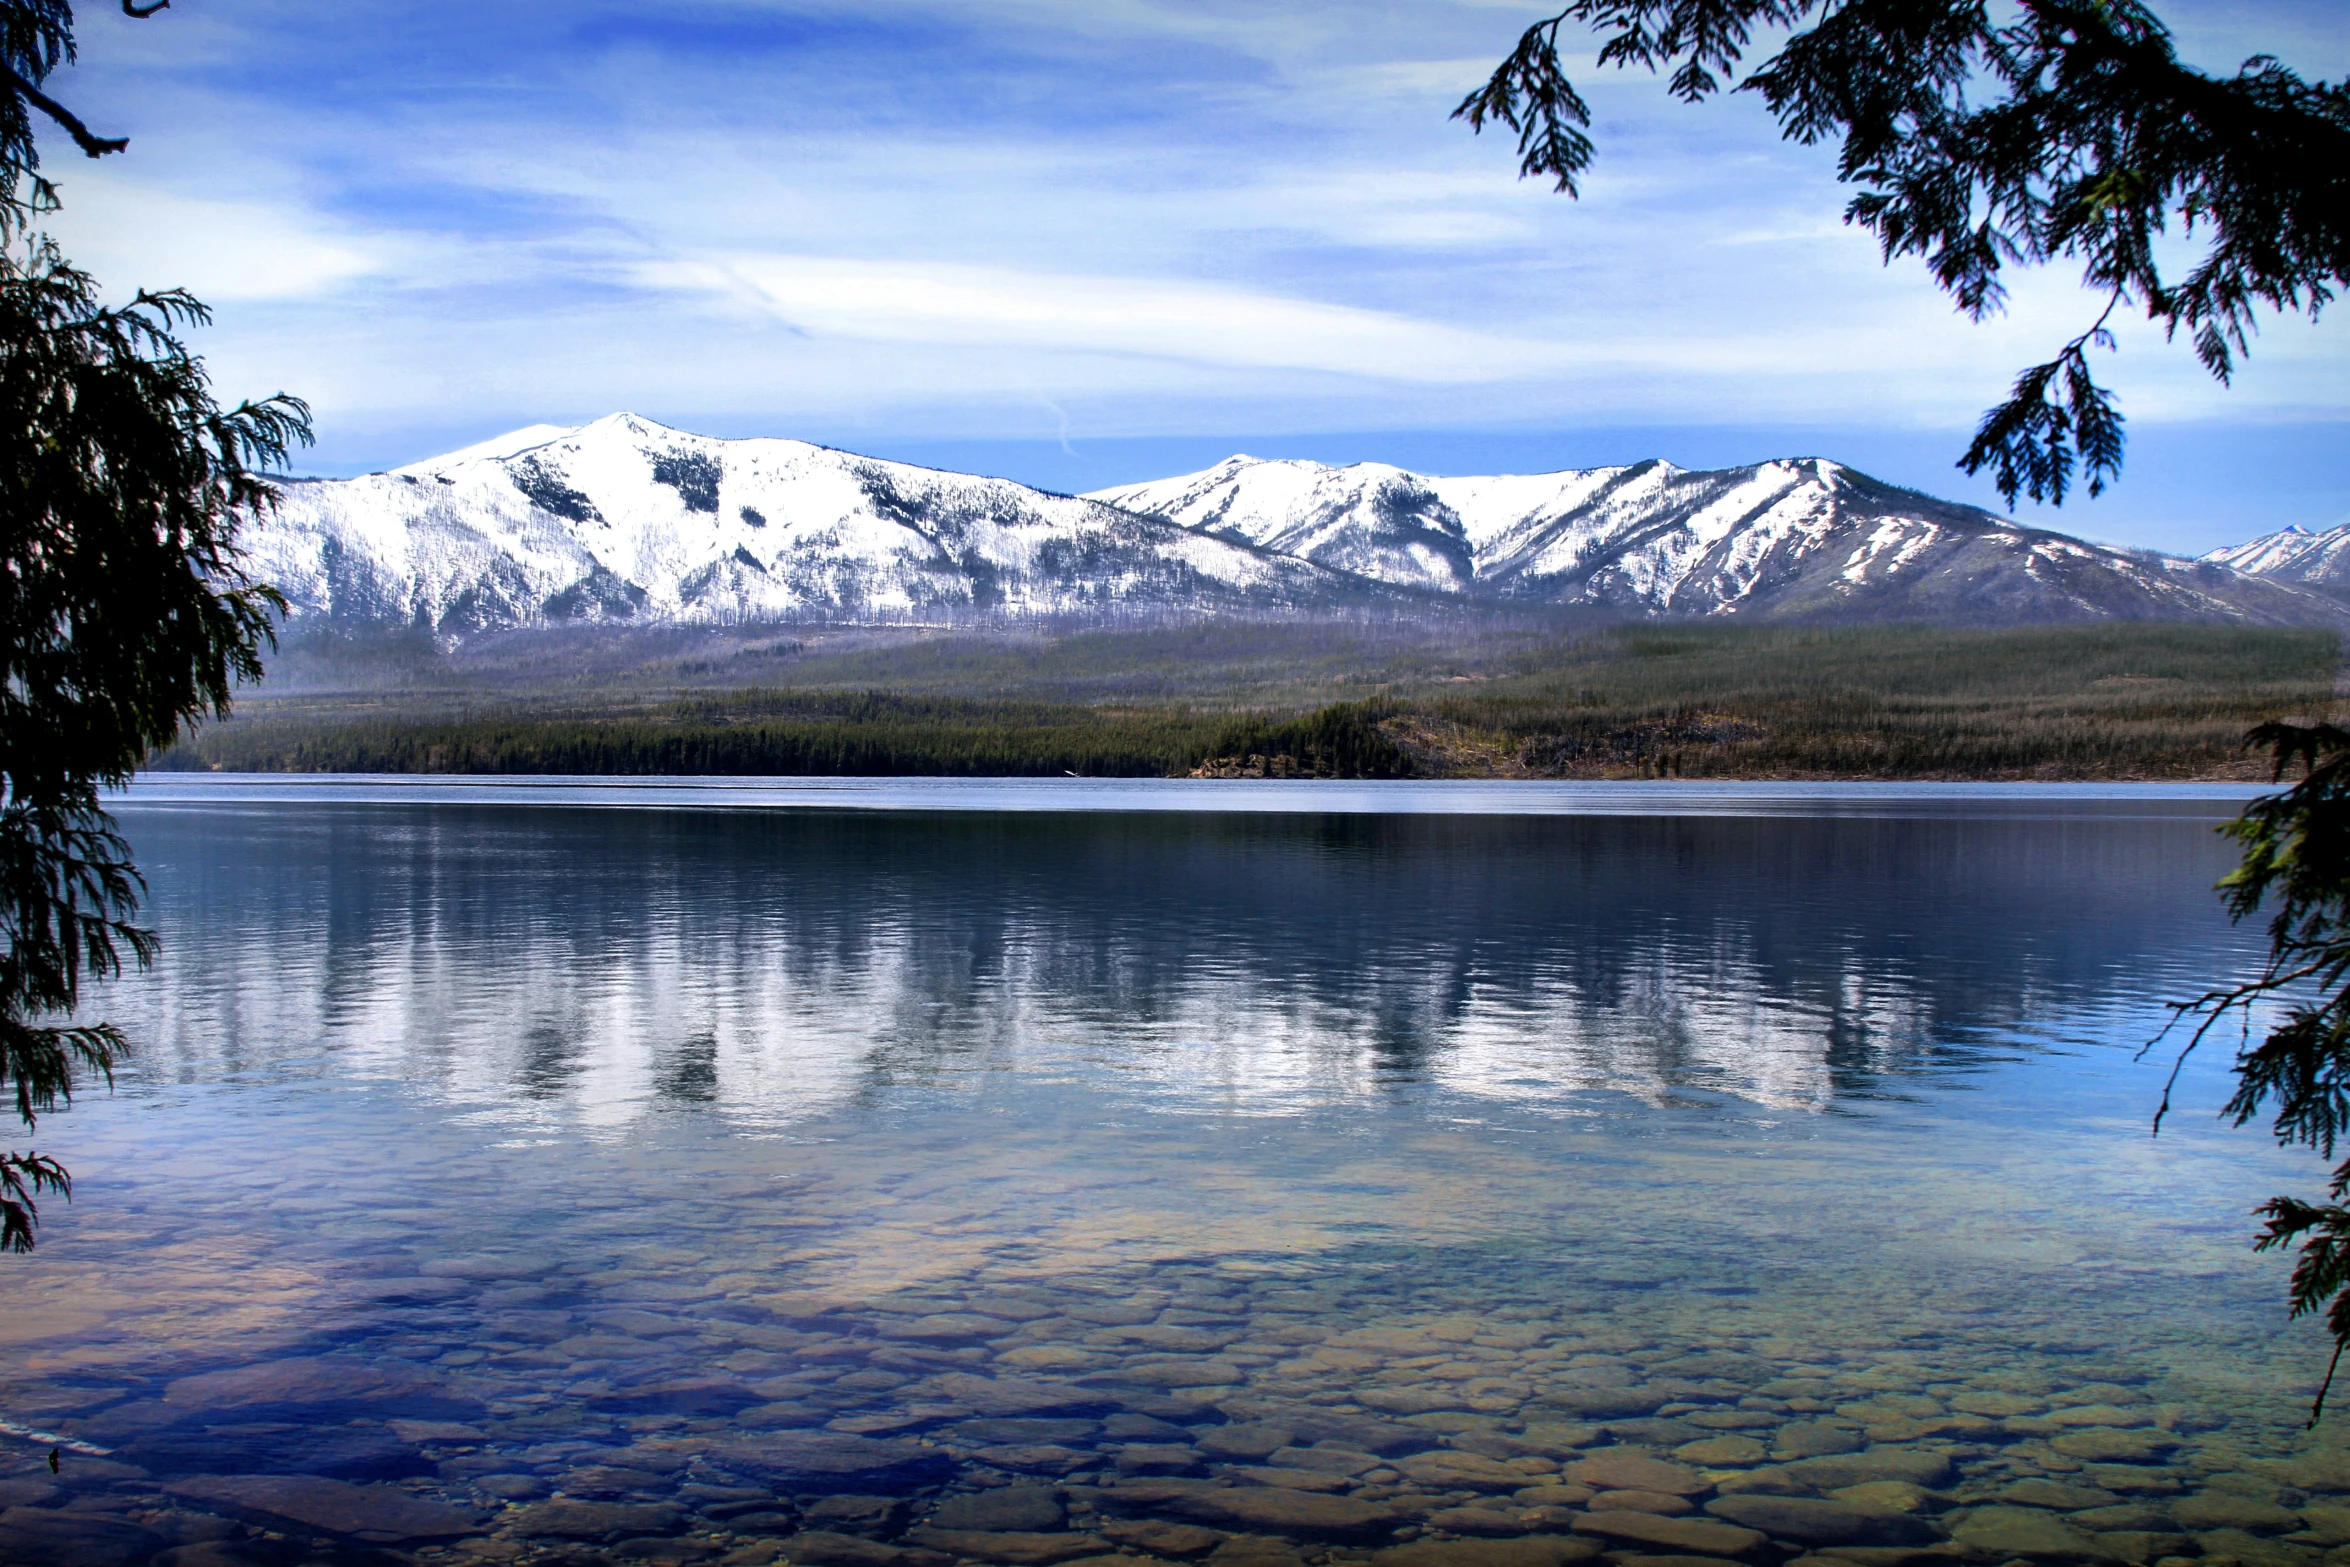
{"type": "Point", "coordinates": [1602, 1403]}
{"type": "Point", "coordinates": [1036, 1457]}
{"type": "Point", "coordinates": [1890, 1496]}
{"type": "Point", "coordinates": [26, 1493]}
{"type": "Point", "coordinates": [1158, 1458]}
{"type": "Point", "coordinates": [849, 1513]}
{"type": "Point", "coordinates": [1328, 1460]}
{"type": "Point", "coordinates": [2126, 1517]}
{"type": "Point", "coordinates": [2005, 1532]}
{"type": "Point", "coordinates": [680, 1396]}
{"type": "Point", "coordinates": [1247, 1439]}
{"type": "Point", "coordinates": [2252, 1551]}
{"type": "Point", "coordinates": [1294, 1479]}
{"type": "Point", "coordinates": [1256, 1550]}
{"type": "Point", "coordinates": [946, 1327]}
{"type": "Point", "coordinates": [1014, 1433]}
{"type": "Point", "coordinates": [1487, 1521]}
{"type": "Point", "coordinates": [2226, 1510]}
{"type": "Point", "coordinates": [1012, 1396]}
{"type": "Point", "coordinates": [1818, 1523]}
{"type": "Point", "coordinates": [380, 1514]}
{"type": "Point", "coordinates": [1411, 1400]}
{"type": "Point", "coordinates": [33, 1534]}
{"type": "Point", "coordinates": [819, 1548]}
{"type": "Point", "coordinates": [1620, 1471]}
{"type": "Point", "coordinates": [311, 1380]}
{"type": "Point", "coordinates": [1447, 1470]}
{"type": "Point", "coordinates": [1917, 1466]}
{"type": "Point", "coordinates": [2055, 1494]}
{"type": "Point", "coordinates": [1696, 1536]}
{"type": "Point", "coordinates": [1156, 1538]}
{"type": "Point", "coordinates": [343, 1452]}
{"type": "Point", "coordinates": [1814, 1439]}
{"type": "Point", "coordinates": [1720, 1451]}
{"type": "Point", "coordinates": [1280, 1510]}
{"type": "Point", "coordinates": [2141, 1546]}
{"type": "Point", "coordinates": [1548, 1550]}
{"type": "Point", "coordinates": [832, 1461]}
{"type": "Point", "coordinates": [2114, 1447]}
{"type": "Point", "coordinates": [1020, 1548]}
{"type": "Point", "coordinates": [1643, 1502]}
{"type": "Point", "coordinates": [1008, 1507]}
{"type": "Point", "coordinates": [1655, 1433]}
{"type": "Point", "coordinates": [567, 1518]}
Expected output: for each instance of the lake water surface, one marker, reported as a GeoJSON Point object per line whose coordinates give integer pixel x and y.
{"type": "Point", "coordinates": [884, 1174]}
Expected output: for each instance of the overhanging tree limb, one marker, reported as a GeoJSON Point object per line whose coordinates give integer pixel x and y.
{"type": "Point", "coordinates": [124, 607]}
{"type": "Point", "coordinates": [83, 137]}
{"type": "Point", "coordinates": [2061, 130]}
{"type": "Point", "coordinates": [2297, 863]}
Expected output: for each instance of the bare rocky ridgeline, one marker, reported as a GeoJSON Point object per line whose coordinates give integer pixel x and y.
{"type": "Point", "coordinates": [1237, 1414]}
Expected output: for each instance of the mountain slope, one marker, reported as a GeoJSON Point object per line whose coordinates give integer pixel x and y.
{"type": "Point", "coordinates": [625, 519]}
{"type": "Point", "coordinates": [1809, 539]}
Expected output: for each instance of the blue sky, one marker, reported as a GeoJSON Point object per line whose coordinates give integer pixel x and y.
{"type": "Point", "coordinates": [1082, 243]}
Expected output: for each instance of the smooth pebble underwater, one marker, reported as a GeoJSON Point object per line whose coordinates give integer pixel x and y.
{"type": "Point", "coordinates": [919, 1172]}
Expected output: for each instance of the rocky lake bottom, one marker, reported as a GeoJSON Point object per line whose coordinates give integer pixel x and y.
{"type": "Point", "coordinates": [720, 1188]}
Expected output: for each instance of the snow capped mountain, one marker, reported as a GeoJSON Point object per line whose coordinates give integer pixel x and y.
{"type": "Point", "coordinates": [1807, 538]}
{"type": "Point", "coordinates": [2293, 555]}
{"type": "Point", "coordinates": [625, 519]}
{"type": "Point", "coordinates": [630, 520]}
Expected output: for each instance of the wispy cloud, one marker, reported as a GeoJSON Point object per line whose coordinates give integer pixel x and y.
{"type": "Point", "coordinates": [1194, 323]}
{"type": "Point", "coordinates": [225, 251]}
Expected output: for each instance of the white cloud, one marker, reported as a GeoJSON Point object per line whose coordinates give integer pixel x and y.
{"type": "Point", "coordinates": [132, 234]}
{"type": "Point", "coordinates": [1197, 323]}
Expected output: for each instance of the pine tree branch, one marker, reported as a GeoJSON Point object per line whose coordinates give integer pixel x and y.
{"type": "Point", "coordinates": [83, 137]}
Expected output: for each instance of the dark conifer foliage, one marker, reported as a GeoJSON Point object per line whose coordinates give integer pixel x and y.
{"type": "Point", "coordinates": [2297, 862]}
{"type": "Point", "coordinates": [2053, 130]}
{"type": "Point", "coordinates": [123, 611]}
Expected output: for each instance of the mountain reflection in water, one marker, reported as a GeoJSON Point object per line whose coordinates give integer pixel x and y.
{"type": "Point", "coordinates": [771, 966]}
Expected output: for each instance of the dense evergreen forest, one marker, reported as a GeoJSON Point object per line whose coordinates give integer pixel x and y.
{"type": "Point", "coordinates": [2108, 701]}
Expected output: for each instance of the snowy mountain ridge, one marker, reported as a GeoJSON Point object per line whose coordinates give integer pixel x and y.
{"type": "Point", "coordinates": [2292, 554]}
{"type": "Point", "coordinates": [1805, 538]}
{"type": "Point", "coordinates": [624, 519]}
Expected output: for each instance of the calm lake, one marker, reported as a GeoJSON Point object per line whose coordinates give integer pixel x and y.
{"type": "Point", "coordinates": [880, 1175]}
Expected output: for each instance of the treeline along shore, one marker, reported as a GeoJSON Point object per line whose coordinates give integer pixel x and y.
{"type": "Point", "coordinates": [2106, 701]}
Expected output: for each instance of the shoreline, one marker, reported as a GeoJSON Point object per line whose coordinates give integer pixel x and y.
{"type": "Point", "coordinates": [2217, 799]}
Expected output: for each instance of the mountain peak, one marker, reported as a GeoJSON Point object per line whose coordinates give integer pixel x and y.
{"type": "Point", "coordinates": [637, 425]}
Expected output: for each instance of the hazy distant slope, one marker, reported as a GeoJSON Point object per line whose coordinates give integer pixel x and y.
{"type": "Point", "coordinates": [1807, 538]}
{"type": "Point", "coordinates": [627, 519]}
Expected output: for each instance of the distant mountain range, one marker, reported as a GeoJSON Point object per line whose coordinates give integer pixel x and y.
{"type": "Point", "coordinates": [627, 520]}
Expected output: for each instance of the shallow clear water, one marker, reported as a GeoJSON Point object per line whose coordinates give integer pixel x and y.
{"type": "Point", "coordinates": [490, 1131]}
